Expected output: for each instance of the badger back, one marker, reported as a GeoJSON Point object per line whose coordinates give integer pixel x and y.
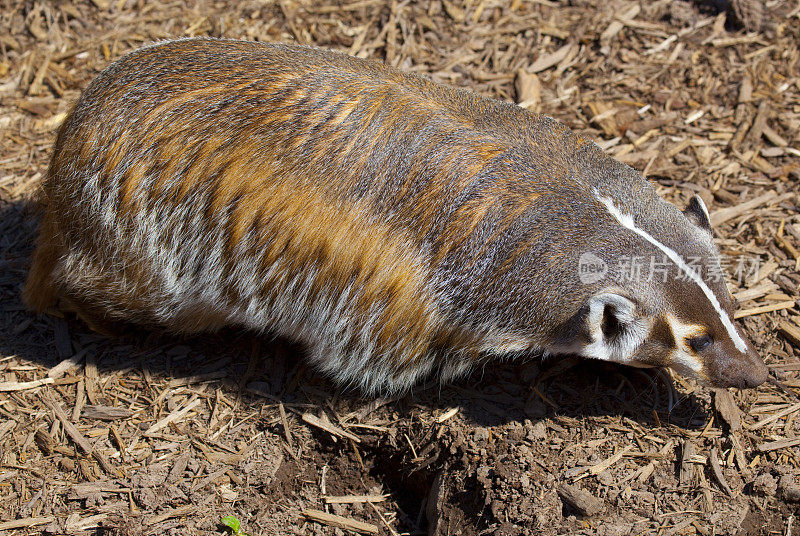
{"type": "Point", "coordinates": [203, 182]}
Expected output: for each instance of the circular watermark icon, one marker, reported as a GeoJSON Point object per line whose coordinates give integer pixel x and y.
{"type": "Point", "coordinates": [591, 268]}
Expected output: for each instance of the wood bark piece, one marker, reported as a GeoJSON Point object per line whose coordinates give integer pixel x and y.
{"type": "Point", "coordinates": [329, 427]}
{"type": "Point", "coordinates": [64, 366]}
{"type": "Point", "coordinates": [687, 468]}
{"type": "Point", "coordinates": [721, 216]}
{"type": "Point", "coordinates": [340, 522]}
{"type": "Point", "coordinates": [173, 512]}
{"type": "Point", "coordinates": [779, 444]}
{"type": "Point", "coordinates": [529, 90]}
{"type": "Point", "coordinates": [619, 22]}
{"type": "Point", "coordinates": [106, 413]}
{"type": "Point", "coordinates": [437, 496]}
{"type": "Point", "coordinates": [26, 522]}
{"type": "Point", "coordinates": [24, 386]}
{"type": "Point", "coordinates": [727, 409]}
{"type": "Point", "coordinates": [605, 464]}
{"type": "Point", "coordinates": [791, 332]}
{"type": "Point", "coordinates": [174, 416]}
{"type": "Point", "coordinates": [771, 308]}
{"type": "Point", "coordinates": [774, 417]}
{"type": "Point", "coordinates": [759, 122]}
{"type": "Point", "coordinates": [353, 499]}
{"type": "Point", "coordinates": [546, 61]}
{"type": "Point", "coordinates": [580, 500]}
{"type": "Point", "coordinates": [716, 470]}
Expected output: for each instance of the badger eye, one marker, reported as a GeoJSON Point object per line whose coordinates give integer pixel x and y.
{"type": "Point", "coordinates": [700, 343]}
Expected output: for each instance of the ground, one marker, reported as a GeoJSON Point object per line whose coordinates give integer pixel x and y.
{"type": "Point", "coordinates": [151, 434]}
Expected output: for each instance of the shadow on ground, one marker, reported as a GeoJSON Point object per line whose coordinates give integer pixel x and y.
{"type": "Point", "coordinates": [257, 371]}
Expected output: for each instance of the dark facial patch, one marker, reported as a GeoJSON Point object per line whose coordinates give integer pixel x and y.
{"type": "Point", "coordinates": [657, 348]}
{"type": "Point", "coordinates": [662, 333]}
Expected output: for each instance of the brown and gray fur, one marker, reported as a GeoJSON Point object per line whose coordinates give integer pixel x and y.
{"type": "Point", "coordinates": [396, 226]}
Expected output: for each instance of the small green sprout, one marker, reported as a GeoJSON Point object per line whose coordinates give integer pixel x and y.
{"type": "Point", "coordinates": [234, 524]}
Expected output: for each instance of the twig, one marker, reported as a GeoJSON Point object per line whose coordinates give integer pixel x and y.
{"type": "Point", "coordinates": [23, 386]}
{"type": "Point", "coordinates": [174, 416]}
{"type": "Point", "coordinates": [340, 522]}
{"type": "Point", "coordinates": [26, 523]}
{"type": "Point", "coordinates": [328, 427]}
{"type": "Point", "coordinates": [352, 499]}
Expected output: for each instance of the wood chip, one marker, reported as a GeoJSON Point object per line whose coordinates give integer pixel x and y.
{"type": "Point", "coordinates": [619, 22]}
{"type": "Point", "coordinates": [529, 90]}
{"type": "Point", "coordinates": [758, 291]}
{"type": "Point", "coordinates": [765, 309]}
{"type": "Point", "coordinates": [779, 444]}
{"type": "Point", "coordinates": [75, 523]}
{"type": "Point", "coordinates": [605, 464]}
{"type": "Point", "coordinates": [66, 365]}
{"type": "Point", "coordinates": [77, 436]}
{"type": "Point", "coordinates": [174, 416]}
{"type": "Point", "coordinates": [546, 61]}
{"type": "Point", "coordinates": [716, 470]}
{"type": "Point", "coordinates": [329, 427]}
{"type": "Point", "coordinates": [340, 522]}
{"type": "Point", "coordinates": [727, 409]}
{"type": "Point", "coordinates": [774, 417]}
{"type": "Point", "coordinates": [447, 415]}
{"type": "Point", "coordinates": [352, 499]}
{"type": "Point", "coordinates": [26, 522]}
{"type": "Point", "coordinates": [686, 469]}
{"type": "Point", "coordinates": [791, 332]}
{"type": "Point", "coordinates": [24, 386]}
{"type": "Point", "coordinates": [721, 216]}
{"type": "Point", "coordinates": [582, 501]}
{"type": "Point", "coordinates": [106, 413]}
{"type": "Point", "coordinates": [172, 512]}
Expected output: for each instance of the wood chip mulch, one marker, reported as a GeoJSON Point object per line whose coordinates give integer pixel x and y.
{"type": "Point", "coordinates": [156, 435]}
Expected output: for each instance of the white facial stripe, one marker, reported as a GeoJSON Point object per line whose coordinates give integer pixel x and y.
{"type": "Point", "coordinates": [626, 220]}
{"type": "Point", "coordinates": [681, 332]}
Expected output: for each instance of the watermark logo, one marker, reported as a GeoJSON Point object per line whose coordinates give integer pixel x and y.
{"type": "Point", "coordinates": [591, 268]}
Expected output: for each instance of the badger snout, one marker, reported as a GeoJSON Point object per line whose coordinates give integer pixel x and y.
{"type": "Point", "coordinates": [746, 372]}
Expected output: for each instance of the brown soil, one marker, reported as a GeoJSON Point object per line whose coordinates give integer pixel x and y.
{"type": "Point", "coordinates": [156, 435]}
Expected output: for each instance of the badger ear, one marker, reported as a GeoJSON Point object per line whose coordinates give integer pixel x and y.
{"type": "Point", "coordinates": [609, 312]}
{"type": "Point", "coordinates": [697, 213]}
{"type": "Point", "coordinates": [614, 326]}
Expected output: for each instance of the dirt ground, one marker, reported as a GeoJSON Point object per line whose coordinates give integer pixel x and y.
{"type": "Point", "coordinates": [156, 435]}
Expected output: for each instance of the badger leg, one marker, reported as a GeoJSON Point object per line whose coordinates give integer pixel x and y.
{"type": "Point", "coordinates": [92, 315]}
{"type": "Point", "coordinates": [41, 290]}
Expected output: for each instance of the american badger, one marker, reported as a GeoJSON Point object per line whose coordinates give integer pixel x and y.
{"type": "Point", "coordinates": [396, 226]}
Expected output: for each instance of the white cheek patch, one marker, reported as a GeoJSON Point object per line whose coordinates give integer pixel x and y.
{"type": "Point", "coordinates": [626, 220]}
{"type": "Point", "coordinates": [621, 348]}
{"type": "Point", "coordinates": [682, 356]}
